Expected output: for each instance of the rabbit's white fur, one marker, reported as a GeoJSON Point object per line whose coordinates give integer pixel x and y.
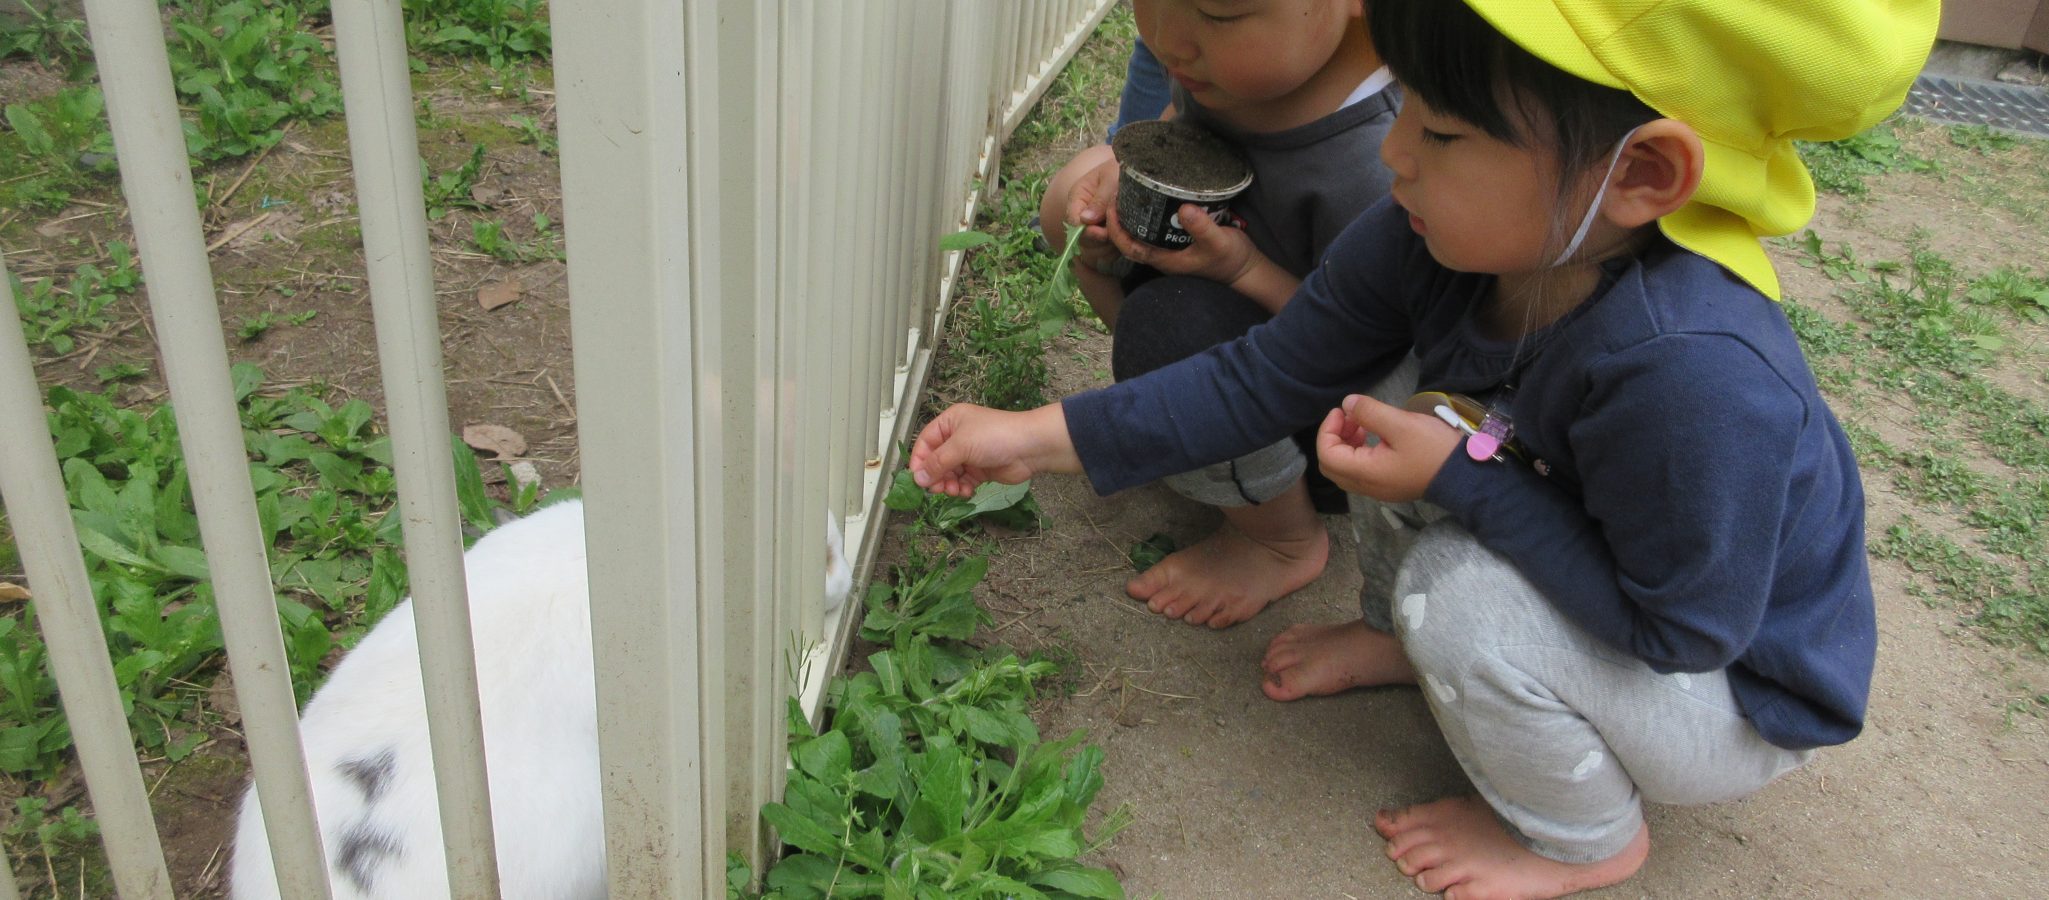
{"type": "Point", "coordinates": [365, 733]}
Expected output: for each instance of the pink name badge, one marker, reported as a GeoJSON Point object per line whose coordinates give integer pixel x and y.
{"type": "Point", "coordinates": [1482, 446]}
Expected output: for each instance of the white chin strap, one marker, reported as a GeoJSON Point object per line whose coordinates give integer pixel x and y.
{"type": "Point", "coordinates": [1587, 223]}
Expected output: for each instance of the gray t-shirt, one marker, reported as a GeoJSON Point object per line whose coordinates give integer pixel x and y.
{"type": "Point", "coordinates": [1310, 181]}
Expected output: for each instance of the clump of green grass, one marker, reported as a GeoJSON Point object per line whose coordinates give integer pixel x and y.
{"type": "Point", "coordinates": [1844, 166]}
{"type": "Point", "coordinates": [930, 778]}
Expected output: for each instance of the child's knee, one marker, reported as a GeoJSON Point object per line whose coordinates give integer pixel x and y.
{"type": "Point", "coordinates": [1448, 597]}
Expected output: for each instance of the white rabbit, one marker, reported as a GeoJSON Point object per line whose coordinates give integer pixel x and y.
{"type": "Point", "coordinates": [365, 733]}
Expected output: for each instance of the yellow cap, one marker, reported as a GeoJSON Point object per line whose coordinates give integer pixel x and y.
{"type": "Point", "coordinates": [1751, 76]}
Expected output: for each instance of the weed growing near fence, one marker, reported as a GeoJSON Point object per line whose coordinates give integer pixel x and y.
{"type": "Point", "coordinates": [930, 778]}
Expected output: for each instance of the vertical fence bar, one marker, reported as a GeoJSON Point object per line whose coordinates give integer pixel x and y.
{"type": "Point", "coordinates": [33, 487]}
{"type": "Point", "coordinates": [826, 150]}
{"type": "Point", "coordinates": [904, 141]}
{"type": "Point", "coordinates": [156, 179]}
{"type": "Point", "coordinates": [869, 358]}
{"type": "Point", "coordinates": [928, 169]}
{"type": "Point", "coordinates": [749, 87]}
{"type": "Point", "coordinates": [844, 126]}
{"type": "Point", "coordinates": [800, 583]}
{"type": "Point", "coordinates": [638, 116]}
{"type": "Point", "coordinates": [377, 96]}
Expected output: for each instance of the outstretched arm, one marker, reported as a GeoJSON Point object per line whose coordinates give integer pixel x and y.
{"type": "Point", "coordinates": [968, 445]}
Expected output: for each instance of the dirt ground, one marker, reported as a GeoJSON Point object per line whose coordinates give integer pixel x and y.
{"type": "Point", "coordinates": [1234, 795]}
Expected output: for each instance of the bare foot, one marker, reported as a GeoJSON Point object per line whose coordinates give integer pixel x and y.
{"type": "Point", "coordinates": [1457, 848]}
{"type": "Point", "coordinates": [1313, 660]}
{"type": "Point", "coordinates": [1262, 554]}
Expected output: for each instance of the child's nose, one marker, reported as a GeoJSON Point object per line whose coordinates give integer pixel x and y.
{"type": "Point", "coordinates": [1172, 38]}
{"type": "Point", "coordinates": [1395, 149]}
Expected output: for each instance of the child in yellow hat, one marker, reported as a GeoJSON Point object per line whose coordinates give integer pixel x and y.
{"type": "Point", "coordinates": [1618, 537]}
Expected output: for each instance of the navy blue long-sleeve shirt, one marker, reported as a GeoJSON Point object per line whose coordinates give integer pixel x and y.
{"type": "Point", "coordinates": [1698, 507]}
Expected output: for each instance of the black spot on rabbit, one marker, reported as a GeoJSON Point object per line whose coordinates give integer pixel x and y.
{"type": "Point", "coordinates": [372, 774]}
{"type": "Point", "coordinates": [363, 848]}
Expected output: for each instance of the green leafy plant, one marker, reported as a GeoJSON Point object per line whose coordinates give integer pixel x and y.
{"type": "Point", "coordinates": [488, 236]}
{"type": "Point", "coordinates": [451, 189]}
{"type": "Point", "coordinates": [253, 327]}
{"type": "Point", "coordinates": [1981, 139]}
{"type": "Point", "coordinates": [530, 131]}
{"type": "Point", "coordinates": [1843, 166]}
{"type": "Point", "coordinates": [1147, 553]}
{"type": "Point", "coordinates": [48, 38]}
{"type": "Point", "coordinates": [1009, 505]}
{"type": "Point", "coordinates": [931, 779]}
{"type": "Point", "coordinates": [247, 69]}
{"type": "Point", "coordinates": [53, 146]}
{"type": "Point", "coordinates": [495, 30]}
{"type": "Point", "coordinates": [52, 316]}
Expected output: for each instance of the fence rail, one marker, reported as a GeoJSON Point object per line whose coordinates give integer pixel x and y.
{"type": "Point", "coordinates": [754, 195]}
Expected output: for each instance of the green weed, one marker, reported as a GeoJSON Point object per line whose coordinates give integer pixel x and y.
{"type": "Point", "coordinates": [46, 37]}
{"type": "Point", "coordinates": [1843, 166]}
{"type": "Point", "coordinates": [499, 31]}
{"type": "Point", "coordinates": [65, 834]}
{"type": "Point", "coordinates": [1008, 505]}
{"type": "Point", "coordinates": [451, 189]}
{"type": "Point", "coordinates": [52, 316]}
{"type": "Point", "coordinates": [247, 70]}
{"type": "Point", "coordinates": [529, 131]}
{"type": "Point", "coordinates": [930, 777]}
{"type": "Point", "coordinates": [488, 236]}
{"type": "Point", "coordinates": [1981, 139]}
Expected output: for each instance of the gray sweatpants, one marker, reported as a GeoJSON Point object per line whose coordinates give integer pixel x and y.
{"type": "Point", "coordinates": [1563, 735]}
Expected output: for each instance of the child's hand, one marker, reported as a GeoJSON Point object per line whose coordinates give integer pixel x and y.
{"type": "Point", "coordinates": [1089, 204]}
{"type": "Point", "coordinates": [1412, 448]}
{"type": "Point", "coordinates": [969, 444]}
{"type": "Point", "coordinates": [1220, 254]}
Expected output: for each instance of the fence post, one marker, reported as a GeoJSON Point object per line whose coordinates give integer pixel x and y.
{"type": "Point", "coordinates": [384, 142]}
{"type": "Point", "coordinates": [156, 179]}
{"type": "Point", "coordinates": [639, 114]}
{"type": "Point", "coordinates": [748, 89]}
{"type": "Point", "coordinates": [70, 619]}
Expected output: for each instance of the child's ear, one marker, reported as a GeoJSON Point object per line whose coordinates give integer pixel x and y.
{"type": "Point", "coordinates": [1659, 171]}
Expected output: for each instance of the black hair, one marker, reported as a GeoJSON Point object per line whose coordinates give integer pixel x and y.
{"type": "Point", "coordinates": [1456, 61]}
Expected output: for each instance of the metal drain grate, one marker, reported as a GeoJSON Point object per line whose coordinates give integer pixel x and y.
{"type": "Point", "coordinates": [1966, 101]}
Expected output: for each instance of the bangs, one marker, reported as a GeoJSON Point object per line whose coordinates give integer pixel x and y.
{"type": "Point", "coordinates": [1445, 53]}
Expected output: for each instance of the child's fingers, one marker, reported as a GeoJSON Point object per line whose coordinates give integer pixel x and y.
{"type": "Point", "coordinates": [936, 462]}
{"type": "Point", "coordinates": [1392, 424]}
{"type": "Point", "coordinates": [1339, 430]}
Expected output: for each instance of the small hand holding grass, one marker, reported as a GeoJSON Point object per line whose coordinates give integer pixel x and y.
{"type": "Point", "coordinates": [1412, 448]}
{"type": "Point", "coordinates": [968, 445]}
{"type": "Point", "coordinates": [1090, 204]}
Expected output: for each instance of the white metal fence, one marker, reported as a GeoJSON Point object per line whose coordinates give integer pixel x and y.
{"type": "Point", "coordinates": [754, 194]}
